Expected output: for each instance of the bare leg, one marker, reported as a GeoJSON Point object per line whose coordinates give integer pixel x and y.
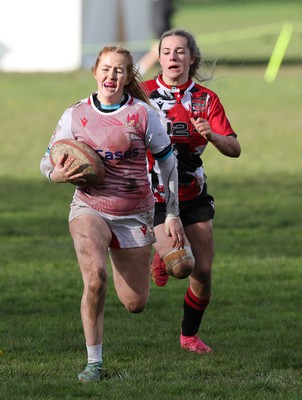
{"type": "Point", "coordinates": [91, 237]}
{"type": "Point", "coordinates": [200, 236]}
{"type": "Point", "coordinates": [131, 274]}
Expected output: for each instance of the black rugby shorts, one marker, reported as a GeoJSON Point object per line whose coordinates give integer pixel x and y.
{"type": "Point", "coordinates": [199, 209]}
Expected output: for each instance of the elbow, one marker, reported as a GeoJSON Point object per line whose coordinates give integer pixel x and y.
{"type": "Point", "coordinates": [233, 148]}
{"type": "Point", "coordinates": [233, 152]}
{"type": "Point", "coordinates": [237, 153]}
{"type": "Point", "coordinates": [236, 150]}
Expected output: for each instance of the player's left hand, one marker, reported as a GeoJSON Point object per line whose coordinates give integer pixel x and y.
{"type": "Point", "coordinates": [174, 228]}
{"type": "Point", "coordinates": [203, 128]}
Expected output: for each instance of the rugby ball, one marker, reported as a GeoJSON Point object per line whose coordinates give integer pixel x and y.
{"type": "Point", "coordinates": [90, 163]}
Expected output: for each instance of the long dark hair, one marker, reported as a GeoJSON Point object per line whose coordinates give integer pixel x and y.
{"type": "Point", "coordinates": [194, 71]}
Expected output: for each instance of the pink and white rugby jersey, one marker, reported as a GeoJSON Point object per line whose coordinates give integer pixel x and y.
{"type": "Point", "coordinates": [121, 138]}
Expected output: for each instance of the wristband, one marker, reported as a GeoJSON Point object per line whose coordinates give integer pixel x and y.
{"type": "Point", "coordinates": [168, 219]}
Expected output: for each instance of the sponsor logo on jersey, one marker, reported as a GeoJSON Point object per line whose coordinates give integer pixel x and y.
{"type": "Point", "coordinates": [118, 155]}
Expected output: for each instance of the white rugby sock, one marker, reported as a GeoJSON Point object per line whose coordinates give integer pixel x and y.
{"type": "Point", "coordinates": [94, 353]}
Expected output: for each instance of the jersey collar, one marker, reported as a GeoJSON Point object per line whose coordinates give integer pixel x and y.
{"type": "Point", "coordinates": [173, 88]}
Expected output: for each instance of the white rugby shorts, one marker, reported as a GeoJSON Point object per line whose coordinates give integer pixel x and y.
{"type": "Point", "coordinates": [135, 230]}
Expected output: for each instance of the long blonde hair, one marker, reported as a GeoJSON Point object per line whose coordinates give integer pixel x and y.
{"type": "Point", "coordinates": [133, 88]}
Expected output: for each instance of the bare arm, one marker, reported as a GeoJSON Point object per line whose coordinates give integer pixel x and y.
{"type": "Point", "coordinates": [227, 145]}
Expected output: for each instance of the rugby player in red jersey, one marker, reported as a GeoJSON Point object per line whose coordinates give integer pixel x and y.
{"type": "Point", "coordinates": [194, 118]}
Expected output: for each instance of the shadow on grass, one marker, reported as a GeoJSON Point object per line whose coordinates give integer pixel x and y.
{"type": "Point", "coordinates": [264, 212]}
{"type": "Point", "coordinates": [34, 207]}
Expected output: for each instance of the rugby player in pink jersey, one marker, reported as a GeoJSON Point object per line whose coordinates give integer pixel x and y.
{"type": "Point", "coordinates": [118, 122]}
{"type": "Point", "coordinates": [194, 117]}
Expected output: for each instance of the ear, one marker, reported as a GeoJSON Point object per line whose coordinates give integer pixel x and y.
{"type": "Point", "coordinates": [192, 60]}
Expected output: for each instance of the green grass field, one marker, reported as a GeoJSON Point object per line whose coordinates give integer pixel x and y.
{"type": "Point", "coordinates": [254, 319]}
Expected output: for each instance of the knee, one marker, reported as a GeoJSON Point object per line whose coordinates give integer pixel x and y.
{"type": "Point", "coordinates": [179, 263]}
{"type": "Point", "coordinates": [97, 281]}
{"type": "Point", "coordinates": [134, 307]}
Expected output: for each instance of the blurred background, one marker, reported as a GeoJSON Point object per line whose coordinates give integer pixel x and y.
{"type": "Point", "coordinates": [48, 48]}
{"type": "Point", "coordinates": [66, 35]}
